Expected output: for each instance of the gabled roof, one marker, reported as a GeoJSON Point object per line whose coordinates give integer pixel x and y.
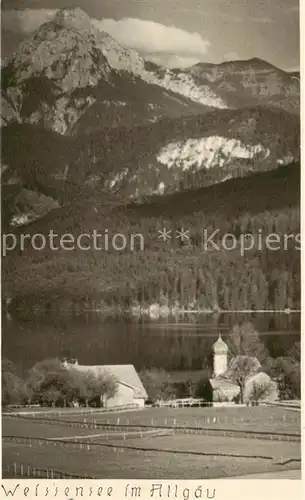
{"type": "Point", "coordinates": [125, 374]}
{"type": "Point", "coordinates": [221, 383]}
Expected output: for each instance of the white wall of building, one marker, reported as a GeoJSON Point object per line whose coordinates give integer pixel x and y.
{"type": "Point", "coordinates": [220, 363]}
{"type": "Point", "coordinates": [140, 402]}
{"type": "Point", "coordinates": [124, 396]}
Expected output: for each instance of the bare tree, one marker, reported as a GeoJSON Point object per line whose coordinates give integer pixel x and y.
{"type": "Point", "coordinates": [240, 369]}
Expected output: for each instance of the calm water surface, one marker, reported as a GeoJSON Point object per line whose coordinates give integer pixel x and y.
{"type": "Point", "coordinates": [183, 343]}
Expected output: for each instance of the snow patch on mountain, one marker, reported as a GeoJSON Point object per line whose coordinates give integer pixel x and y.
{"type": "Point", "coordinates": [207, 152]}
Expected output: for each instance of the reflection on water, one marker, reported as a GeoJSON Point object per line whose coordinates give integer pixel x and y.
{"type": "Point", "coordinates": [183, 343]}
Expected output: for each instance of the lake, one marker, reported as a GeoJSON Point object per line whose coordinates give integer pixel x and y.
{"type": "Point", "coordinates": [183, 343]}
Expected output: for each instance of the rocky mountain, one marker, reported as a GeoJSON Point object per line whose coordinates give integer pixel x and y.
{"type": "Point", "coordinates": [250, 82]}
{"type": "Point", "coordinates": [73, 78]}
{"type": "Point", "coordinates": [68, 67]}
{"type": "Point", "coordinates": [85, 116]}
{"type": "Point", "coordinates": [162, 158]}
{"type": "Point", "coordinates": [191, 152]}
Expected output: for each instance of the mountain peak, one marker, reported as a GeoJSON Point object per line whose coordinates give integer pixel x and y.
{"type": "Point", "coordinates": [72, 18]}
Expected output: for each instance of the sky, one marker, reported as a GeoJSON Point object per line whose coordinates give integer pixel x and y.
{"type": "Point", "coordinates": [176, 32]}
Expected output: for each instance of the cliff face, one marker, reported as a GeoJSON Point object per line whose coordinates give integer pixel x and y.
{"type": "Point", "coordinates": [84, 113]}
{"type": "Point", "coordinates": [68, 65]}
{"type": "Point", "coordinates": [165, 157]}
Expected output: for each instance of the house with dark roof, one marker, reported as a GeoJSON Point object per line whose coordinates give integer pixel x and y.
{"type": "Point", "coordinates": [223, 384]}
{"type": "Point", "coordinates": [130, 390]}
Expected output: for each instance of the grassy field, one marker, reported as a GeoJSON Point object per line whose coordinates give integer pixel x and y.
{"type": "Point", "coordinates": [39, 429]}
{"type": "Point", "coordinates": [278, 450]}
{"type": "Point", "coordinates": [109, 454]}
{"type": "Point", "coordinates": [260, 418]}
{"type": "Point", "coordinates": [125, 464]}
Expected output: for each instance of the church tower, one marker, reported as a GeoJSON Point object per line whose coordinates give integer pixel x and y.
{"type": "Point", "coordinates": [220, 357]}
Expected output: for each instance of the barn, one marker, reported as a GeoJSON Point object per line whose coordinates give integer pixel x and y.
{"type": "Point", "coordinates": [130, 390]}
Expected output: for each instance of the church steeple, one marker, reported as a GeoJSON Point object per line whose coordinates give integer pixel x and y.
{"type": "Point", "coordinates": [220, 354]}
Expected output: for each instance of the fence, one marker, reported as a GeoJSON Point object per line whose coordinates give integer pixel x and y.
{"type": "Point", "coordinates": [115, 447]}
{"type": "Point", "coordinates": [76, 411]}
{"type": "Point", "coordinates": [118, 449]}
{"type": "Point", "coordinates": [291, 405]}
{"type": "Point", "coordinates": [184, 403]}
{"type": "Point", "coordinates": [20, 471]}
{"type": "Point", "coordinates": [142, 429]}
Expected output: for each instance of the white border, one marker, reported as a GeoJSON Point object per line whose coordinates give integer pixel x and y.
{"type": "Point", "coordinates": [235, 489]}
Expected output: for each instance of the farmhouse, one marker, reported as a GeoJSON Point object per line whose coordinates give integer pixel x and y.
{"type": "Point", "coordinates": [130, 390]}
{"type": "Point", "coordinates": [223, 385]}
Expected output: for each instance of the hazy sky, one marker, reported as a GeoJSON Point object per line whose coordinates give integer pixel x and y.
{"type": "Point", "coordinates": [177, 32]}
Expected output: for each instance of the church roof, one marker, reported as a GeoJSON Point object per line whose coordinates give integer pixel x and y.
{"type": "Point", "coordinates": [219, 383]}
{"type": "Point", "coordinates": [124, 374]}
{"type": "Point", "coordinates": [220, 346]}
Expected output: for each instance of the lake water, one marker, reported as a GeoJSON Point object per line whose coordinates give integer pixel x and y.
{"type": "Point", "coordinates": [183, 343]}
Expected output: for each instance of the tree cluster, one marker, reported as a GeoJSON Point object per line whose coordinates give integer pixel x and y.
{"type": "Point", "coordinates": [286, 370]}
{"type": "Point", "coordinates": [51, 383]}
{"type": "Point", "coordinates": [185, 274]}
{"type": "Point", "coordinates": [247, 356]}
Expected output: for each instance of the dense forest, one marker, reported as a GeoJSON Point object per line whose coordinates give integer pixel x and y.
{"type": "Point", "coordinates": [126, 159]}
{"type": "Point", "coordinates": [186, 274]}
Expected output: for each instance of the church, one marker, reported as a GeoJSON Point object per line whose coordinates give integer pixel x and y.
{"type": "Point", "coordinates": [224, 386]}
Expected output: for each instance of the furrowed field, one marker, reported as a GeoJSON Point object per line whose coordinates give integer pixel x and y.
{"type": "Point", "coordinates": [160, 443]}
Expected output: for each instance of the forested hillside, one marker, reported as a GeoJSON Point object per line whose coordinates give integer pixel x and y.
{"type": "Point", "coordinates": [169, 272]}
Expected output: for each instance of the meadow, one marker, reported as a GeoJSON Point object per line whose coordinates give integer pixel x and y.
{"type": "Point", "coordinates": [99, 445]}
{"type": "Point", "coordinates": [258, 418]}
